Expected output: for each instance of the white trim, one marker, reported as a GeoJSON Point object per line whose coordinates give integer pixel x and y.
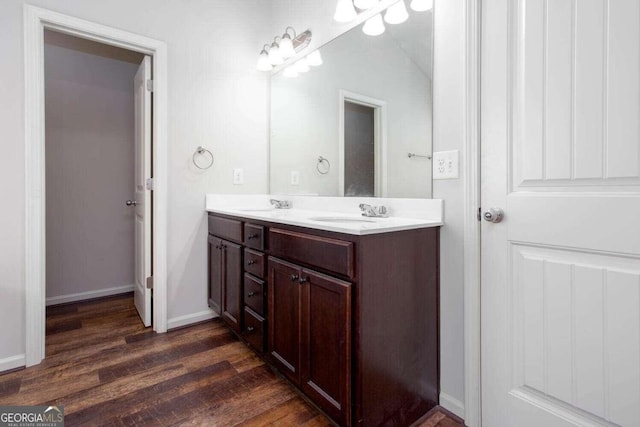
{"type": "Point", "coordinates": [35, 21]}
{"type": "Point", "coordinates": [452, 405]}
{"type": "Point", "coordinates": [12, 362]}
{"type": "Point", "coordinates": [380, 139]}
{"type": "Point", "coordinates": [472, 407]}
{"type": "Point", "coordinates": [81, 296]}
{"type": "Point", "coordinates": [201, 316]}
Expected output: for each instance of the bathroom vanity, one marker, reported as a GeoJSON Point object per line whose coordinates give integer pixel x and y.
{"type": "Point", "coordinates": [345, 307]}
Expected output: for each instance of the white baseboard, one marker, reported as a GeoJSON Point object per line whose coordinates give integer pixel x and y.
{"type": "Point", "coordinates": [12, 362]}
{"type": "Point", "coordinates": [176, 322]}
{"type": "Point", "coordinates": [62, 299]}
{"type": "Point", "coordinates": [452, 405]}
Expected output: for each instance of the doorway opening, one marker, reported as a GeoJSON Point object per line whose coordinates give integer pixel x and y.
{"type": "Point", "coordinates": [37, 20]}
{"type": "Point", "coordinates": [95, 124]}
{"type": "Point", "coordinates": [362, 146]}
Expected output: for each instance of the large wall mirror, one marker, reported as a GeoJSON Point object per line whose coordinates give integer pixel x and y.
{"type": "Point", "coordinates": [360, 124]}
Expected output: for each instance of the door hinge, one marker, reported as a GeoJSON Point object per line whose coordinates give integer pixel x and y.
{"type": "Point", "coordinates": [479, 214]}
{"type": "Point", "coordinates": [150, 184]}
{"type": "Point", "coordinates": [150, 282]}
{"type": "Point", "coordinates": [150, 85]}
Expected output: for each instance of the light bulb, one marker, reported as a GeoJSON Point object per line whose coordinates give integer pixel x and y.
{"type": "Point", "coordinates": [302, 66]}
{"type": "Point", "coordinates": [286, 46]}
{"type": "Point", "coordinates": [314, 59]}
{"type": "Point", "coordinates": [421, 5]}
{"type": "Point", "coordinates": [345, 12]}
{"type": "Point", "coordinates": [397, 13]}
{"type": "Point", "coordinates": [365, 4]}
{"type": "Point", "coordinates": [275, 58]}
{"type": "Point", "coordinates": [374, 26]}
{"type": "Point", "coordinates": [263, 62]}
{"type": "Point", "coordinates": [290, 71]}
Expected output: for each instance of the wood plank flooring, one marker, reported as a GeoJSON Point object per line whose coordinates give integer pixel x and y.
{"type": "Point", "coordinates": [107, 369]}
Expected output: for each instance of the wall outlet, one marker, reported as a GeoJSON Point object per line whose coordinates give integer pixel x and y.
{"type": "Point", "coordinates": [295, 178]}
{"type": "Point", "coordinates": [446, 164]}
{"type": "Point", "coordinates": [238, 176]}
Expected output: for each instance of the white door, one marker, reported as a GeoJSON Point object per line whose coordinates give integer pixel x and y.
{"type": "Point", "coordinates": [561, 156]}
{"type": "Point", "coordinates": [142, 295]}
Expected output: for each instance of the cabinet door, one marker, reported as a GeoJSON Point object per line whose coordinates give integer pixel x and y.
{"type": "Point", "coordinates": [232, 285]}
{"type": "Point", "coordinates": [326, 343]}
{"type": "Point", "coordinates": [215, 273]}
{"type": "Point", "coordinates": [284, 292]}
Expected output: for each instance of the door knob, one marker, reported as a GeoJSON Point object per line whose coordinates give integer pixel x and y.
{"type": "Point", "coordinates": [131, 203]}
{"type": "Point", "coordinates": [493, 215]}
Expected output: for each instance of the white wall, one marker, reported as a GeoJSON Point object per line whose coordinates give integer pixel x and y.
{"type": "Point", "coordinates": [216, 99]}
{"type": "Point", "coordinates": [89, 174]}
{"type": "Point", "coordinates": [449, 131]}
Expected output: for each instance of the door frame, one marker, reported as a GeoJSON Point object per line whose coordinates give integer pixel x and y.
{"type": "Point", "coordinates": [36, 20]}
{"type": "Point", "coordinates": [472, 204]}
{"type": "Point", "coordinates": [379, 144]}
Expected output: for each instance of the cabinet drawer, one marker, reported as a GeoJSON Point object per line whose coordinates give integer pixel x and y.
{"type": "Point", "coordinates": [254, 236]}
{"type": "Point", "coordinates": [254, 293]}
{"type": "Point", "coordinates": [254, 329]}
{"type": "Point", "coordinates": [326, 253]}
{"type": "Point", "coordinates": [254, 262]}
{"type": "Point", "coordinates": [225, 228]}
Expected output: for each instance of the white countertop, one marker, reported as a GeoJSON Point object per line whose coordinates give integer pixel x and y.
{"type": "Point", "coordinates": [345, 220]}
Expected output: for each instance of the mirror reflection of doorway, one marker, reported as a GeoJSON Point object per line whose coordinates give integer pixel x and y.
{"type": "Point", "coordinates": [359, 150]}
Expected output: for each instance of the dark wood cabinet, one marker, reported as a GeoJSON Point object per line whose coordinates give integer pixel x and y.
{"type": "Point", "coordinates": [225, 280]}
{"type": "Point", "coordinates": [351, 320]}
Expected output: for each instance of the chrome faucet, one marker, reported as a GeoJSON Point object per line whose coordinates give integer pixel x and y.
{"type": "Point", "coordinates": [373, 211]}
{"type": "Point", "coordinates": [281, 204]}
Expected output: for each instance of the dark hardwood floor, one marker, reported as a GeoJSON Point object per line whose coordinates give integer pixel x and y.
{"type": "Point", "coordinates": [107, 369]}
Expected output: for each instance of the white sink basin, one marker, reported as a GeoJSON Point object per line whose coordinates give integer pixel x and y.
{"type": "Point", "coordinates": [349, 219]}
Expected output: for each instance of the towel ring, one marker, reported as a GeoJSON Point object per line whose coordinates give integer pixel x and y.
{"type": "Point", "coordinates": [323, 161]}
{"type": "Point", "coordinates": [200, 151]}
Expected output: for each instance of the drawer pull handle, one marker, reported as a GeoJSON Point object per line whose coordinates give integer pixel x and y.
{"type": "Point", "coordinates": [251, 294]}
{"type": "Point", "coordinates": [251, 262]}
{"type": "Point", "coordinates": [250, 328]}
{"type": "Point", "coordinates": [294, 277]}
{"type": "Point", "coordinates": [252, 236]}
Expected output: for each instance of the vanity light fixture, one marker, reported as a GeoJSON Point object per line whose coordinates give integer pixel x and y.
{"type": "Point", "coordinates": [263, 60]}
{"type": "Point", "coordinates": [374, 26]}
{"type": "Point", "coordinates": [345, 12]}
{"type": "Point", "coordinates": [397, 13]}
{"type": "Point", "coordinates": [314, 58]}
{"type": "Point", "coordinates": [286, 44]}
{"type": "Point", "coordinates": [282, 48]}
{"type": "Point", "coordinates": [365, 4]}
{"type": "Point", "coordinates": [421, 5]}
{"type": "Point", "coordinates": [275, 57]}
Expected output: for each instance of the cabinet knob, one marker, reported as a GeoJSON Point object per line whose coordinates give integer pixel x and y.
{"type": "Point", "coordinates": [251, 294]}
{"type": "Point", "coordinates": [218, 247]}
{"type": "Point", "coordinates": [303, 280]}
{"type": "Point", "coordinates": [294, 277]}
{"type": "Point", "coordinates": [252, 236]}
{"type": "Point", "coordinates": [251, 262]}
{"type": "Point", "coordinates": [250, 328]}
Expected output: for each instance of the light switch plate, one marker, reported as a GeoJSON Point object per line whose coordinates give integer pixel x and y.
{"type": "Point", "coordinates": [238, 176]}
{"type": "Point", "coordinates": [446, 164]}
{"type": "Point", "coordinates": [295, 178]}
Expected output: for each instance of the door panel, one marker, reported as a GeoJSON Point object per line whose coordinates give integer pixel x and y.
{"type": "Point", "coordinates": [561, 155]}
{"type": "Point", "coordinates": [232, 285]}
{"type": "Point", "coordinates": [215, 274]}
{"type": "Point", "coordinates": [326, 343]}
{"type": "Point", "coordinates": [142, 239]}
{"type": "Point", "coordinates": [284, 292]}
